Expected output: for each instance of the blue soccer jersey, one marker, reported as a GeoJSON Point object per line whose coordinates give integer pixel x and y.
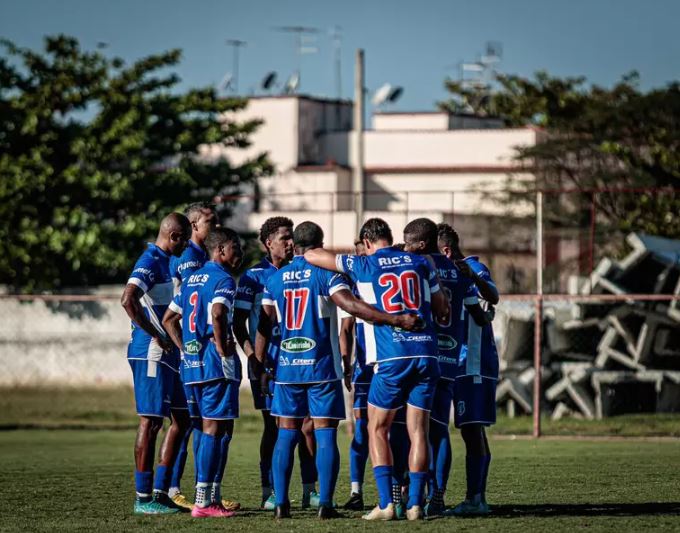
{"type": "Point", "coordinates": [151, 274]}
{"type": "Point", "coordinates": [478, 355]}
{"type": "Point", "coordinates": [192, 259]}
{"type": "Point", "coordinates": [395, 282]}
{"type": "Point", "coordinates": [308, 322]}
{"type": "Point", "coordinates": [249, 297]}
{"type": "Point", "coordinates": [202, 363]}
{"type": "Point", "coordinates": [460, 291]}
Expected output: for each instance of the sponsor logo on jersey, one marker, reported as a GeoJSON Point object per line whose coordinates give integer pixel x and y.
{"type": "Point", "coordinates": [284, 361]}
{"type": "Point", "coordinates": [192, 347]}
{"type": "Point", "coordinates": [400, 337]}
{"type": "Point", "coordinates": [446, 342]}
{"type": "Point", "coordinates": [302, 362]}
{"type": "Point", "coordinates": [192, 363]}
{"type": "Point", "coordinates": [447, 360]}
{"type": "Point", "coordinates": [298, 345]}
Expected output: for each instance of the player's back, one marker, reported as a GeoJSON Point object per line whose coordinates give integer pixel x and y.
{"type": "Point", "coordinates": [478, 355]}
{"type": "Point", "coordinates": [192, 259]}
{"type": "Point", "coordinates": [200, 291]}
{"type": "Point", "coordinates": [308, 325]}
{"type": "Point", "coordinates": [451, 335]}
{"type": "Point", "coordinates": [395, 282]}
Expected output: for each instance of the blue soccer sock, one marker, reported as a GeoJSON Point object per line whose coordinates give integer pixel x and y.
{"type": "Point", "coordinates": [474, 469]}
{"type": "Point", "coordinates": [327, 463]}
{"type": "Point", "coordinates": [416, 488]}
{"type": "Point", "coordinates": [383, 480]}
{"type": "Point", "coordinates": [207, 463]}
{"type": "Point", "coordinates": [161, 481]}
{"type": "Point", "coordinates": [282, 463]}
{"type": "Point", "coordinates": [180, 461]}
{"type": "Point", "coordinates": [441, 461]}
{"type": "Point", "coordinates": [358, 453]}
{"type": "Point", "coordinates": [143, 484]}
{"type": "Point", "coordinates": [224, 455]}
{"type": "Point", "coordinates": [485, 474]}
{"type": "Point", "coordinates": [196, 432]}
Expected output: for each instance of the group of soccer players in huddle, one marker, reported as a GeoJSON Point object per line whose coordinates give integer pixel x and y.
{"type": "Point", "coordinates": [406, 328]}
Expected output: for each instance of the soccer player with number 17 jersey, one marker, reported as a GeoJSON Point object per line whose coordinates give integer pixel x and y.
{"type": "Point", "coordinates": [406, 369]}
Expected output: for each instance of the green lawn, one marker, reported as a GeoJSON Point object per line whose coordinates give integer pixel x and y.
{"type": "Point", "coordinates": [60, 480]}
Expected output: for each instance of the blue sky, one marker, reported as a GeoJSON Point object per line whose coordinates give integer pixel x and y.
{"type": "Point", "coordinates": [412, 44]}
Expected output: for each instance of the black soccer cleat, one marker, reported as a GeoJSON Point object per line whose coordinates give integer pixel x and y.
{"type": "Point", "coordinates": [327, 513]}
{"type": "Point", "coordinates": [282, 511]}
{"type": "Point", "coordinates": [355, 502]}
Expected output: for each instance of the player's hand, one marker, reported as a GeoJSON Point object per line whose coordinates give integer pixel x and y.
{"type": "Point", "coordinates": [490, 313]}
{"type": "Point", "coordinates": [165, 343]}
{"type": "Point", "coordinates": [265, 378]}
{"type": "Point", "coordinates": [464, 268]}
{"type": "Point", "coordinates": [410, 322]}
{"type": "Point", "coordinates": [347, 378]}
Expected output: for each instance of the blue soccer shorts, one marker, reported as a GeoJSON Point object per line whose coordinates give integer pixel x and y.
{"type": "Point", "coordinates": [443, 399]}
{"type": "Point", "coordinates": [318, 400]}
{"type": "Point", "coordinates": [218, 399]}
{"type": "Point", "coordinates": [474, 400]}
{"type": "Point", "coordinates": [262, 402]}
{"type": "Point", "coordinates": [360, 393]}
{"type": "Point", "coordinates": [192, 404]}
{"type": "Point", "coordinates": [409, 380]}
{"type": "Point", "coordinates": [158, 388]}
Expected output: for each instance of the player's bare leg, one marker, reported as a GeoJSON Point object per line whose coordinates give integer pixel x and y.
{"type": "Point", "coordinates": [308, 471]}
{"type": "Point", "coordinates": [417, 424]}
{"type": "Point", "coordinates": [379, 422]}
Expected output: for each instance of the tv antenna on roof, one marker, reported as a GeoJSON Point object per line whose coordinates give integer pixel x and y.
{"type": "Point", "coordinates": [304, 39]}
{"type": "Point", "coordinates": [236, 44]}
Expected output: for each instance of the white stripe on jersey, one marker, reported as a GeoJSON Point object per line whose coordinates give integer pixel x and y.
{"type": "Point", "coordinates": [473, 364]}
{"type": "Point", "coordinates": [138, 283]}
{"type": "Point", "coordinates": [367, 294]}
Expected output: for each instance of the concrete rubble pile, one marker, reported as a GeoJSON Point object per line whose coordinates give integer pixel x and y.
{"type": "Point", "coordinates": [601, 358]}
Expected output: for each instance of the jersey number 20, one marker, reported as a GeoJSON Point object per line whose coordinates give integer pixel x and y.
{"type": "Point", "coordinates": [403, 291]}
{"type": "Point", "coordinates": [296, 306]}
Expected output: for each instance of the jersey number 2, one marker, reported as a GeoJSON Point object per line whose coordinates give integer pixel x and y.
{"type": "Point", "coordinates": [193, 300]}
{"type": "Point", "coordinates": [296, 306]}
{"type": "Point", "coordinates": [406, 285]}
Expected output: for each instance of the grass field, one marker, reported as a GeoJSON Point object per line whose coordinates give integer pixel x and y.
{"type": "Point", "coordinates": [67, 480]}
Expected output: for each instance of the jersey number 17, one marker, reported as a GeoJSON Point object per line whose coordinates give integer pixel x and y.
{"type": "Point", "coordinates": [296, 307]}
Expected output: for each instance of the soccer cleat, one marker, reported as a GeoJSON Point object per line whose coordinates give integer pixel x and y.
{"type": "Point", "coordinates": [468, 508]}
{"type": "Point", "coordinates": [180, 500]}
{"type": "Point", "coordinates": [230, 505]}
{"type": "Point", "coordinates": [153, 507]}
{"type": "Point", "coordinates": [414, 513]}
{"type": "Point", "coordinates": [214, 510]}
{"type": "Point", "coordinates": [327, 513]}
{"type": "Point", "coordinates": [355, 502]}
{"type": "Point", "coordinates": [270, 503]}
{"type": "Point", "coordinates": [282, 511]}
{"type": "Point", "coordinates": [399, 511]}
{"type": "Point", "coordinates": [381, 514]}
{"type": "Point", "coordinates": [433, 509]}
{"type": "Point", "coordinates": [311, 500]}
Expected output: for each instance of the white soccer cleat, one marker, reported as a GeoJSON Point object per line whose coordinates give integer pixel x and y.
{"type": "Point", "coordinates": [414, 513]}
{"type": "Point", "coordinates": [381, 514]}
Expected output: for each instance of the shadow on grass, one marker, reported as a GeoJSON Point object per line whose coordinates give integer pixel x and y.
{"type": "Point", "coordinates": [585, 509]}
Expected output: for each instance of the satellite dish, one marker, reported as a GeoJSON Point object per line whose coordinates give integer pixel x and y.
{"type": "Point", "coordinates": [268, 81]}
{"type": "Point", "coordinates": [395, 94]}
{"type": "Point", "coordinates": [380, 96]}
{"type": "Point", "coordinates": [292, 84]}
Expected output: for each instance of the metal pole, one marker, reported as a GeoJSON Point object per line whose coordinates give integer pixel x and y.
{"type": "Point", "coordinates": [358, 139]}
{"type": "Point", "coordinates": [538, 316]}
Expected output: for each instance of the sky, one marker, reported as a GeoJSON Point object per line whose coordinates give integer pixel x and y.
{"type": "Point", "coordinates": [413, 44]}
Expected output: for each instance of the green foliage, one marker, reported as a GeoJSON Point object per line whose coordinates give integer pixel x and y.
{"type": "Point", "coordinates": [592, 138]}
{"type": "Point", "coordinates": [94, 152]}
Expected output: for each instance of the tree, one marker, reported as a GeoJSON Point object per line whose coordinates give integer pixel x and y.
{"type": "Point", "coordinates": [620, 141]}
{"type": "Point", "coordinates": [94, 152]}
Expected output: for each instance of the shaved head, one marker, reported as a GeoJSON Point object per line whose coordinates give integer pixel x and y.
{"type": "Point", "coordinates": [174, 233]}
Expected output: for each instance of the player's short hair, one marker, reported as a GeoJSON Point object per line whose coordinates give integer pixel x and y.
{"type": "Point", "coordinates": [307, 234]}
{"type": "Point", "coordinates": [375, 229]}
{"type": "Point", "coordinates": [447, 236]}
{"type": "Point", "coordinates": [422, 229]}
{"type": "Point", "coordinates": [272, 225]}
{"type": "Point", "coordinates": [358, 242]}
{"type": "Point", "coordinates": [194, 211]}
{"type": "Point", "coordinates": [220, 236]}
